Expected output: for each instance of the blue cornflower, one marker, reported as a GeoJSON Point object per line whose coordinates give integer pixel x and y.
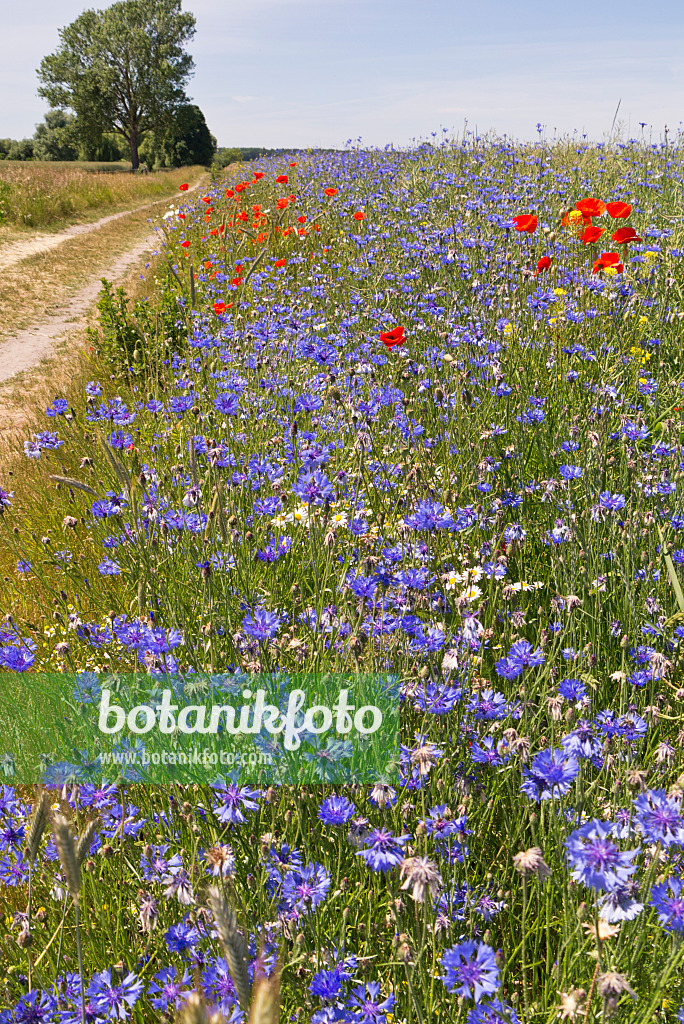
{"type": "Point", "coordinates": [154, 865]}
{"type": "Point", "coordinates": [668, 901]}
{"type": "Point", "coordinates": [493, 1012]}
{"type": "Point", "coordinates": [595, 860]}
{"type": "Point", "coordinates": [570, 472]}
{"type": "Point", "coordinates": [231, 802]}
{"type": "Point", "coordinates": [550, 775]}
{"type": "Point", "coordinates": [520, 657]}
{"type": "Point", "coordinates": [364, 1003]}
{"type": "Point", "coordinates": [471, 970]}
{"type": "Point", "coordinates": [108, 568]}
{"type": "Point", "coordinates": [611, 502]}
{"type": "Point", "coordinates": [572, 689]}
{"type": "Point", "coordinates": [165, 989]}
{"type": "Point", "coordinates": [326, 985]}
{"type": "Point", "coordinates": [659, 818]}
{"type": "Point", "coordinates": [383, 849]}
{"type": "Point", "coordinates": [620, 905]}
{"type": "Point", "coordinates": [261, 625]}
{"type": "Point", "coordinates": [227, 405]}
{"type": "Point", "coordinates": [486, 753]}
{"type": "Point", "coordinates": [114, 999]}
{"type": "Point", "coordinates": [314, 488]}
{"type": "Point", "coordinates": [303, 890]}
{"type": "Point", "coordinates": [33, 1008]}
{"type": "Point", "coordinates": [182, 937]}
{"type": "Point", "coordinates": [13, 871]}
{"type": "Point", "coordinates": [336, 810]}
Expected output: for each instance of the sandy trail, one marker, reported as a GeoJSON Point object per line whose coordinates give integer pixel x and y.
{"type": "Point", "coordinates": [27, 348]}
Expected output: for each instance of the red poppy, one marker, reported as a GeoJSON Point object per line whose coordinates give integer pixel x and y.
{"type": "Point", "coordinates": [525, 222]}
{"type": "Point", "coordinates": [624, 235]}
{"type": "Point", "coordinates": [294, 164]}
{"type": "Point", "coordinates": [182, 216]}
{"type": "Point", "coordinates": [242, 186]}
{"type": "Point", "coordinates": [183, 188]}
{"type": "Point", "coordinates": [229, 193]}
{"type": "Point", "coordinates": [591, 234]}
{"type": "Point", "coordinates": [331, 191]}
{"type": "Point", "coordinates": [185, 244]}
{"type": "Point", "coordinates": [280, 263]}
{"type": "Point", "coordinates": [608, 259]}
{"type": "Point", "coordinates": [394, 337]}
{"type": "Point", "coordinates": [359, 215]}
{"type": "Point", "coordinates": [543, 264]}
{"type": "Point", "coordinates": [591, 207]}
{"type": "Point", "coordinates": [219, 307]}
{"type": "Point", "coordinates": [282, 203]}
{"type": "Point", "coordinates": [302, 219]}
{"type": "Point", "coordinates": [619, 211]}
{"type": "Point", "coordinates": [574, 217]}
{"type": "Point", "coordinates": [207, 264]}
{"type": "Point", "coordinates": [292, 198]}
{"type": "Point", "coordinates": [235, 281]}
{"type": "Point", "coordinates": [206, 199]}
{"type": "Point", "coordinates": [281, 179]}
{"type": "Point", "coordinates": [258, 175]}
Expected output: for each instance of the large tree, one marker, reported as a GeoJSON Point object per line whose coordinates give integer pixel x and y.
{"type": "Point", "coordinates": [122, 69]}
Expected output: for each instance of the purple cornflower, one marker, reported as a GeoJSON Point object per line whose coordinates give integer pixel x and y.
{"type": "Point", "coordinates": [550, 775]}
{"type": "Point", "coordinates": [471, 970]}
{"type": "Point", "coordinates": [365, 1005]}
{"type": "Point", "coordinates": [112, 999]}
{"type": "Point", "coordinates": [595, 860]}
{"type": "Point", "coordinates": [177, 882]}
{"type": "Point", "coordinates": [668, 901]}
{"type": "Point", "coordinates": [303, 890]}
{"type": "Point", "coordinates": [336, 810]}
{"type": "Point", "coordinates": [659, 819]}
{"type": "Point", "coordinates": [570, 472]}
{"type": "Point", "coordinates": [231, 802]}
{"type": "Point", "coordinates": [383, 849]}
{"type": "Point", "coordinates": [261, 625]}
{"type": "Point", "coordinates": [5, 497]}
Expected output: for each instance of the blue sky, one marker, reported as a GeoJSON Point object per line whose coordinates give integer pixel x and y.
{"type": "Point", "coordinates": [300, 73]}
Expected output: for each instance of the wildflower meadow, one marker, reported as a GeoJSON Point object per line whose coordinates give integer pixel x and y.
{"type": "Point", "coordinates": [416, 415]}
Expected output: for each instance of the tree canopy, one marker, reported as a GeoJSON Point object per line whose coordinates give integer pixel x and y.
{"type": "Point", "coordinates": [186, 141]}
{"type": "Point", "coordinates": [122, 69]}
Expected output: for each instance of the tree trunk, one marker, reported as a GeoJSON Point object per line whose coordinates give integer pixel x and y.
{"type": "Point", "coordinates": [133, 143]}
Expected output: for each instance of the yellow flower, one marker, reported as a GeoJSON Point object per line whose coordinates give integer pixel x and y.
{"type": "Point", "coordinates": [560, 292]}
{"type": "Point", "coordinates": [609, 271]}
{"type": "Point", "coordinates": [508, 329]}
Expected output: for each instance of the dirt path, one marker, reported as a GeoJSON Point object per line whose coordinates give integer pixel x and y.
{"type": "Point", "coordinates": [15, 252]}
{"type": "Point", "coordinates": [29, 347]}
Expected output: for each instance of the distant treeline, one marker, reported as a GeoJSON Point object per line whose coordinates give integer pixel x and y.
{"type": "Point", "coordinates": [186, 141]}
